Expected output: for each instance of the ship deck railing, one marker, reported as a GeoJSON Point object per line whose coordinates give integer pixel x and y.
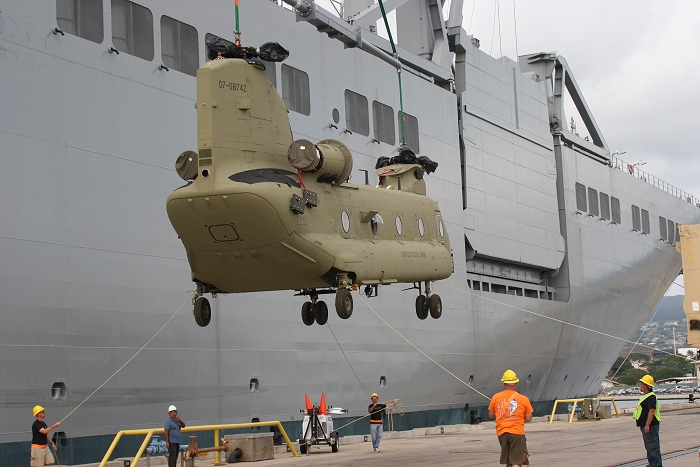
{"type": "Point", "coordinates": [149, 432]}
{"type": "Point", "coordinates": [575, 402]}
{"type": "Point", "coordinates": [635, 171]}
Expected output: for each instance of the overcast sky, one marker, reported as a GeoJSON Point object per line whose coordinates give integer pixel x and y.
{"type": "Point", "coordinates": [636, 62]}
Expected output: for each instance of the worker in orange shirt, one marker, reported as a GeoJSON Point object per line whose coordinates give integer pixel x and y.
{"type": "Point", "coordinates": [511, 410]}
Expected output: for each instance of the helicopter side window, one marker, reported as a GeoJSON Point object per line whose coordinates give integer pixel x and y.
{"type": "Point", "coordinates": [411, 130]}
{"type": "Point", "coordinates": [345, 220]}
{"type": "Point", "coordinates": [421, 227]}
{"type": "Point", "coordinates": [132, 29]}
{"type": "Point", "coordinates": [295, 90]}
{"type": "Point", "coordinates": [82, 18]}
{"type": "Point", "coordinates": [356, 113]}
{"type": "Point", "coordinates": [383, 118]}
{"type": "Point", "coordinates": [399, 225]}
{"type": "Point", "coordinates": [179, 45]}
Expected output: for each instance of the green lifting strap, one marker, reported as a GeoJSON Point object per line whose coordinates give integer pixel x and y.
{"type": "Point", "coordinates": [398, 72]}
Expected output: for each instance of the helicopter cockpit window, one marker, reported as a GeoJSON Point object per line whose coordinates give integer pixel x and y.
{"type": "Point", "coordinates": [82, 18]}
{"type": "Point", "coordinates": [179, 45]}
{"type": "Point", "coordinates": [345, 220]}
{"type": "Point", "coordinates": [132, 29]}
{"type": "Point", "coordinates": [295, 90]}
{"type": "Point", "coordinates": [411, 129]}
{"type": "Point", "coordinates": [383, 118]}
{"type": "Point", "coordinates": [421, 227]}
{"type": "Point", "coordinates": [356, 113]}
{"type": "Point", "coordinates": [441, 229]}
{"type": "Point", "coordinates": [399, 225]}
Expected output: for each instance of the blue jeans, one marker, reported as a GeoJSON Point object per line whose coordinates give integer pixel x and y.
{"type": "Point", "coordinates": [376, 429]}
{"type": "Point", "coordinates": [652, 445]}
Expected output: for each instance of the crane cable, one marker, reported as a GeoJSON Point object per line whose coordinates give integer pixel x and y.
{"type": "Point", "coordinates": [398, 73]}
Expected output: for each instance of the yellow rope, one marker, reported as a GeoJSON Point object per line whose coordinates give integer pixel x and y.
{"type": "Point", "coordinates": [423, 353]}
{"type": "Point", "coordinates": [346, 359]}
{"type": "Point", "coordinates": [395, 403]}
{"type": "Point", "coordinates": [128, 361]}
{"type": "Point", "coordinates": [559, 320]}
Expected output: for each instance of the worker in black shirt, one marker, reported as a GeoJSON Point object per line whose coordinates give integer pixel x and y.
{"type": "Point", "coordinates": [648, 416]}
{"type": "Point", "coordinates": [376, 426]}
{"type": "Point", "coordinates": [41, 454]}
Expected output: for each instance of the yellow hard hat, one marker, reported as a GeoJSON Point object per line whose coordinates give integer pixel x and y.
{"type": "Point", "coordinates": [648, 380]}
{"type": "Point", "coordinates": [374, 394]}
{"type": "Point", "coordinates": [37, 409]}
{"type": "Point", "coordinates": [509, 377]}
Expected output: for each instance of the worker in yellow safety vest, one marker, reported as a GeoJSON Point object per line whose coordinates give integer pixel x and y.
{"type": "Point", "coordinates": [648, 417]}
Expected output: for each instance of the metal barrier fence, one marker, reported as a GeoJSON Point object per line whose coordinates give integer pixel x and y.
{"type": "Point", "coordinates": [575, 402]}
{"type": "Point", "coordinates": [149, 432]}
{"type": "Point", "coordinates": [634, 170]}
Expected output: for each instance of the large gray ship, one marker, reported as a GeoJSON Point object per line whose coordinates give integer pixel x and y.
{"type": "Point", "coordinates": [96, 102]}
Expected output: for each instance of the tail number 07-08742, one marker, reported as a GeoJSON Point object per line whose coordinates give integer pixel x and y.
{"type": "Point", "coordinates": [231, 86]}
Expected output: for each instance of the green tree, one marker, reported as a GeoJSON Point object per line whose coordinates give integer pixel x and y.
{"type": "Point", "coordinates": [625, 366]}
{"type": "Point", "coordinates": [663, 372]}
{"type": "Point", "coordinates": [630, 376]}
{"type": "Point", "coordinates": [671, 361]}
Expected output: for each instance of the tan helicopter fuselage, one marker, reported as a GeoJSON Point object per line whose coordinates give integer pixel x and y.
{"type": "Point", "coordinates": [235, 219]}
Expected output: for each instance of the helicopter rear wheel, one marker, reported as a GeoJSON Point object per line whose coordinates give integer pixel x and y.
{"type": "Point", "coordinates": [343, 303]}
{"type": "Point", "coordinates": [421, 307]}
{"type": "Point", "coordinates": [435, 305]}
{"type": "Point", "coordinates": [202, 311]}
{"type": "Point", "coordinates": [307, 313]}
{"type": "Point", "coordinates": [321, 312]}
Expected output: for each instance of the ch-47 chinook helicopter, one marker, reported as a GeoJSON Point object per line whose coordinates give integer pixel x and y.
{"type": "Point", "coordinates": [262, 212]}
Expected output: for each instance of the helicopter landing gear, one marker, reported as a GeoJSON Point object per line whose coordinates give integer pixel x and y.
{"type": "Point", "coordinates": [421, 307]}
{"type": "Point", "coordinates": [343, 303]}
{"type": "Point", "coordinates": [315, 310]}
{"type": "Point", "coordinates": [307, 313]}
{"type": "Point", "coordinates": [202, 311]}
{"type": "Point", "coordinates": [428, 303]}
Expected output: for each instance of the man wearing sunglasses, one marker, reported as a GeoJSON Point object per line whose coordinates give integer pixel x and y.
{"type": "Point", "coordinates": [41, 454]}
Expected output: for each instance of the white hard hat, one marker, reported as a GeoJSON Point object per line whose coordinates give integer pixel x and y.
{"type": "Point", "coordinates": [171, 408]}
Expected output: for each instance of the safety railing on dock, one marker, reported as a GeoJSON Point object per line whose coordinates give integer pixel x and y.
{"type": "Point", "coordinates": [575, 402]}
{"type": "Point", "coordinates": [149, 432]}
{"type": "Point", "coordinates": [634, 170]}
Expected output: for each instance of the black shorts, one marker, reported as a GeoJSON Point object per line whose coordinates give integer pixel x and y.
{"type": "Point", "coordinates": [514, 449]}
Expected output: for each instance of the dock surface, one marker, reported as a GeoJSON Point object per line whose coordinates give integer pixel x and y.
{"type": "Point", "coordinates": [614, 442]}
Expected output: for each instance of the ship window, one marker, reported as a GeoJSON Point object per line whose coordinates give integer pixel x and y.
{"type": "Point", "coordinates": [531, 293]}
{"type": "Point", "coordinates": [411, 130]}
{"type": "Point", "coordinates": [382, 381]}
{"type": "Point", "coordinates": [663, 232]}
{"type": "Point", "coordinates": [581, 201]}
{"type": "Point", "coordinates": [593, 202]}
{"type": "Point", "coordinates": [295, 90]}
{"type": "Point", "coordinates": [60, 439]}
{"type": "Point", "coordinates": [356, 113]}
{"type": "Point", "coordinates": [636, 219]}
{"type": "Point", "coordinates": [179, 46]}
{"type": "Point", "coordinates": [132, 29]}
{"type": "Point", "coordinates": [616, 215]}
{"type": "Point", "coordinates": [254, 385]}
{"type": "Point", "coordinates": [671, 229]}
{"type": "Point", "coordinates": [476, 285]}
{"type": "Point", "coordinates": [645, 222]}
{"type": "Point", "coordinates": [604, 206]}
{"type": "Point", "coordinates": [515, 291]}
{"type": "Point", "coordinates": [485, 286]}
{"type": "Point", "coordinates": [383, 117]}
{"type": "Point", "coordinates": [677, 235]}
{"type": "Point", "coordinates": [82, 18]}
{"type": "Point", "coordinates": [498, 288]}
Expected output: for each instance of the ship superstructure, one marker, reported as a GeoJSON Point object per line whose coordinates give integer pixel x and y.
{"type": "Point", "coordinates": [97, 100]}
